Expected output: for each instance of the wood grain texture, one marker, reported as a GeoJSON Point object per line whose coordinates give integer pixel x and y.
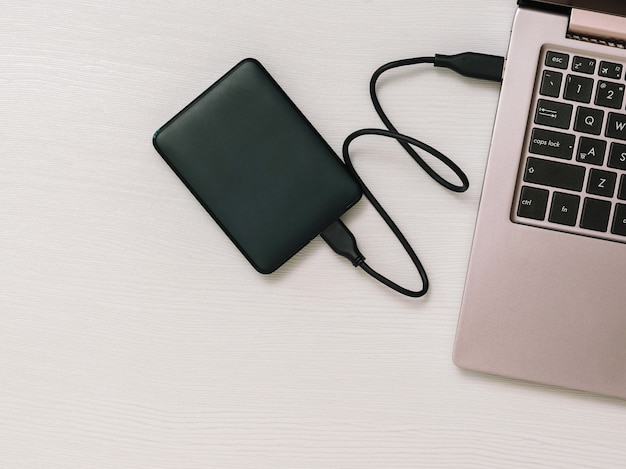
{"type": "Point", "coordinates": [133, 334]}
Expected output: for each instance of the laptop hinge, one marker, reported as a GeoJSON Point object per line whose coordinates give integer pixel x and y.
{"type": "Point", "coordinates": [597, 27]}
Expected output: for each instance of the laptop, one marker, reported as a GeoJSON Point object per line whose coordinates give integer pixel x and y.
{"type": "Point", "coordinates": [545, 293]}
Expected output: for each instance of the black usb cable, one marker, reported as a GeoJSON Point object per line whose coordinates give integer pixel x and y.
{"type": "Point", "coordinates": [338, 236]}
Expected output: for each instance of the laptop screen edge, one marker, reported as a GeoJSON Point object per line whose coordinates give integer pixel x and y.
{"type": "Point", "coordinates": [614, 7]}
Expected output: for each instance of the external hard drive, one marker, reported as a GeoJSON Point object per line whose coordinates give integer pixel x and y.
{"type": "Point", "coordinates": [257, 165]}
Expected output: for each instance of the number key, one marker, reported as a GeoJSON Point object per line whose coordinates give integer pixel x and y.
{"type": "Point", "coordinates": [610, 94]}
{"type": "Point", "coordinates": [578, 89]}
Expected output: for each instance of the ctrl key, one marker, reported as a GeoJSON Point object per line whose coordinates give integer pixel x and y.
{"type": "Point", "coordinates": [532, 203]}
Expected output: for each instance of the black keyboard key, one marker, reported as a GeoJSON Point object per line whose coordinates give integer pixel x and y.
{"type": "Point", "coordinates": [619, 220]}
{"type": "Point", "coordinates": [554, 114]}
{"type": "Point", "coordinates": [583, 65]}
{"type": "Point", "coordinates": [617, 156]}
{"type": "Point", "coordinates": [564, 209]}
{"type": "Point", "coordinates": [610, 94]}
{"type": "Point", "coordinates": [554, 174]}
{"type": "Point", "coordinates": [591, 151]}
{"type": "Point", "coordinates": [601, 182]}
{"type": "Point", "coordinates": [532, 203]}
{"type": "Point", "coordinates": [578, 89]}
{"type": "Point", "coordinates": [621, 192]}
{"type": "Point", "coordinates": [557, 60]}
{"type": "Point", "coordinates": [595, 214]}
{"type": "Point", "coordinates": [550, 143]}
{"type": "Point", "coordinates": [551, 83]}
{"type": "Point", "coordinates": [610, 70]}
{"type": "Point", "coordinates": [589, 120]}
{"type": "Point", "coordinates": [616, 126]}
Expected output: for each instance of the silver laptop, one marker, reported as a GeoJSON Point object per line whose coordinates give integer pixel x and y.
{"type": "Point", "coordinates": [545, 295]}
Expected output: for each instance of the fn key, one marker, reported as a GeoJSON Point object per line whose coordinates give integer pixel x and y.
{"type": "Point", "coordinates": [532, 203]}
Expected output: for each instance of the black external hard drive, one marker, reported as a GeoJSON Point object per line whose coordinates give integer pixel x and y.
{"type": "Point", "coordinates": [257, 165]}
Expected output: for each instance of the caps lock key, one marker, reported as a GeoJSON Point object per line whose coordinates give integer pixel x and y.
{"type": "Point", "coordinates": [549, 143]}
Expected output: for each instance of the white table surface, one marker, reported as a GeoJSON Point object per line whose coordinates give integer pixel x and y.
{"type": "Point", "coordinates": [133, 334]}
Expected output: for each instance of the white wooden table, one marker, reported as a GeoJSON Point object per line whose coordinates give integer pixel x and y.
{"type": "Point", "coordinates": [133, 334]}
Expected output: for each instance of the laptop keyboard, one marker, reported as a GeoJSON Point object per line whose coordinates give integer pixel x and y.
{"type": "Point", "coordinates": [573, 172]}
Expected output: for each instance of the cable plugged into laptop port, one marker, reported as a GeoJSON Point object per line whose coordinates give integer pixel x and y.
{"type": "Point", "coordinates": [473, 65]}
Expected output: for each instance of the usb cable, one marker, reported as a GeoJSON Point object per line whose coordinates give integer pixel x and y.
{"type": "Point", "coordinates": [338, 236]}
